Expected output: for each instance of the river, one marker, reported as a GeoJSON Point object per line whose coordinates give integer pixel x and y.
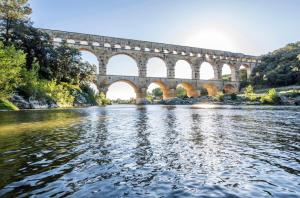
{"type": "Point", "coordinates": [151, 151]}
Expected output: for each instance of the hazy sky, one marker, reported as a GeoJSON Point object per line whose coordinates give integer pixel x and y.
{"type": "Point", "coordinates": [248, 26]}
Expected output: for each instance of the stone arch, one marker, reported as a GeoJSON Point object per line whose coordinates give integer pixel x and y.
{"type": "Point", "coordinates": [129, 82]}
{"type": "Point", "coordinates": [191, 90]}
{"type": "Point", "coordinates": [91, 56]}
{"type": "Point", "coordinates": [226, 72]}
{"type": "Point", "coordinates": [183, 69]}
{"type": "Point", "coordinates": [167, 93]}
{"type": "Point", "coordinates": [208, 71]}
{"type": "Point", "coordinates": [211, 89]}
{"type": "Point", "coordinates": [247, 69]}
{"type": "Point", "coordinates": [135, 92]}
{"type": "Point", "coordinates": [229, 89]}
{"type": "Point", "coordinates": [122, 64]}
{"type": "Point", "coordinates": [154, 67]}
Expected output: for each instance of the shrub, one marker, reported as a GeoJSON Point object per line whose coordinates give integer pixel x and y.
{"type": "Point", "coordinates": [11, 62]}
{"type": "Point", "coordinates": [7, 105]}
{"type": "Point", "coordinates": [233, 96]}
{"type": "Point", "coordinates": [29, 85]}
{"type": "Point", "coordinates": [89, 93]}
{"type": "Point", "coordinates": [249, 94]}
{"type": "Point", "coordinates": [150, 98]}
{"type": "Point", "coordinates": [181, 92]}
{"type": "Point", "coordinates": [220, 96]}
{"type": "Point", "coordinates": [102, 100]}
{"type": "Point", "coordinates": [271, 97]}
{"type": "Point", "coordinates": [60, 94]}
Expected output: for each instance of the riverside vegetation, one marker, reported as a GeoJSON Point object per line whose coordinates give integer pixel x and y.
{"type": "Point", "coordinates": [36, 74]}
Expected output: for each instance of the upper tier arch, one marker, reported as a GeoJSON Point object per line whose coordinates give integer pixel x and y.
{"type": "Point", "coordinates": [146, 47]}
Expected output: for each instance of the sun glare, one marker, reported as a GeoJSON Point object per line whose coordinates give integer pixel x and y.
{"type": "Point", "coordinates": [212, 38]}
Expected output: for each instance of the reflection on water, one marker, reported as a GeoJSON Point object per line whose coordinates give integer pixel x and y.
{"type": "Point", "coordinates": [151, 151]}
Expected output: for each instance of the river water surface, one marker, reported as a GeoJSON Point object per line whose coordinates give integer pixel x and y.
{"type": "Point", "coordinates": [151, 151]}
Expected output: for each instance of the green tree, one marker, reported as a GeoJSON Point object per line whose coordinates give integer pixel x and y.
{"type": "Point", "coordinates": [226, 77]}
{"type": "Point", "coordinates": [249, 93]}
{"type": "Point", "coordinates": [271, 97]}
{"type": "Point", "coordinates": [180, 92]}
{"type": "Point", "coordinates": [11, 62]}
{"type": "Point", "coordinates": [102, 100]}
{"type": "Point", "coordinates": [11, 13]}
{"type": "Point", "coordinates": [69, 67]}
{"type": "Point", "coordinates": [279, 68]}
{"type": "Point", "coordinates": [157, 93]}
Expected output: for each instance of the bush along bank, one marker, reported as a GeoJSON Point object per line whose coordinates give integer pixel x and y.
{"type": "Point", "coordinates": [249, 97]}
{"type": "Point", "coordinates": [49, 94]}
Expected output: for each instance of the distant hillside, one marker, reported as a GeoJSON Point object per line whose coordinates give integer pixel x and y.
{"type": "Point", "coordinates": [279, 68]}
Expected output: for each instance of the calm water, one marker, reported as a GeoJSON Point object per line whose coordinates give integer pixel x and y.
{"type": "Point", "coordinates": [152, 151]}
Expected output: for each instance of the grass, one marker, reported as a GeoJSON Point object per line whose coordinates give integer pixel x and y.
{"type": "Point", "coordinates": [7, 105]}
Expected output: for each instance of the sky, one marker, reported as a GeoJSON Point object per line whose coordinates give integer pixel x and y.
{"type": "Point", "coordinates": [253, 27]}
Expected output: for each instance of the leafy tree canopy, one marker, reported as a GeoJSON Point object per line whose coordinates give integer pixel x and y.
{"type": "Point", "coordinates": [180, 92]}
{"type": "Point", "coordinates": [11, 62]}
{"type": "Point", "coordinates": [12, 12]}
{"type": "Point", "coordinates": [157, 93]}
{"type": "Point", "coordinates": [279, 68]}
{"type": "Point", "coordinates": [61, 63]}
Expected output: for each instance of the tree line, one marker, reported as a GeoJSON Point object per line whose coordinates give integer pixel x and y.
{"type": "Point", "coordinates": [29, 61]}
{"type": "Point", "coordinates": [278, 68]}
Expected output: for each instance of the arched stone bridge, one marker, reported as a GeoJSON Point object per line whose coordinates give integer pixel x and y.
{"type": "Point", "coordinates": [141, 51]}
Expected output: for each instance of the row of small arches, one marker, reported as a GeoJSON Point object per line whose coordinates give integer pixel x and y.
{"type": "Point", "coordinates": [156, 50]}
{"type": "Point", "coordinates": [125, 65]}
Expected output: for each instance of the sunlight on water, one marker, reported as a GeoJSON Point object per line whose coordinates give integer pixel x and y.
{"type": "Point", "coordinates": [9, 129]}
{"type": "Point", "coordinates": [205, 106]}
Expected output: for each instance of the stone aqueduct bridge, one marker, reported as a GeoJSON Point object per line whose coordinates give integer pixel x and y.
{"type": "Point", "coordinates": [141, 51]}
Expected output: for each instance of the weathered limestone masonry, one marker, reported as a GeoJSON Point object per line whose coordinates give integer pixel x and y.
{"type": "Point", "coordinates": [141, 51]}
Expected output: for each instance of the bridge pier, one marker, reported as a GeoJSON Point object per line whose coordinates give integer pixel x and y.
{"type": "Point", "coordinates": [141, 96]}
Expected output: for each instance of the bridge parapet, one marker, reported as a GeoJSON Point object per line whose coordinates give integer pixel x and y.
{"type": "Point", "coordinates": [146, 47]}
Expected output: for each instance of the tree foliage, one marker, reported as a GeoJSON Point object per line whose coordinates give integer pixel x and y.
{"type": "Point", "coordinates": [12, 13]}
{"type": "Point", "coordinates": [271, 97]}
{"type": "Point", "coordinates": [69, 67]}
{"type": "Point", "coordinates": [180, 92]}
{"type": "Point", "coordinates": [157, 93]}
{"type": "Point", "coordinates": [11, 62]}
{"type": "Point", "coordinates": [32, 65]}
{"type": "Point", "coordinates": [279, 68]}
{"type": "Point", "coordinates": [62, 63]}
{"type": "Point", "coordinates": [249, 93]}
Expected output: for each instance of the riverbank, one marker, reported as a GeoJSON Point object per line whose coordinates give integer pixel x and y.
{"type": "Point", "coordinates": [290, 97]}
{"type": "Point", "coordinates": [226, 101]}
{"type": "Point", "coordinates": [18, 102]}
{"type": "Point", "coordinates": [82, 99]}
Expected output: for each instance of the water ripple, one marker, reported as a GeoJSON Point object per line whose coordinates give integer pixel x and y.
{"type": "Point", "coordinates": [152, 151]}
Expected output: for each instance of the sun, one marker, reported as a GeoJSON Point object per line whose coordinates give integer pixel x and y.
{"type": "Point", "coordinates": [212, 38]}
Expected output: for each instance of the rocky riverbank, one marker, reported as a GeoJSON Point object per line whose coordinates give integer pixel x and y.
{"type": "Point", "coordinates": [228, 100]}
{"type": "Point", "coordinates": [20, 102]}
